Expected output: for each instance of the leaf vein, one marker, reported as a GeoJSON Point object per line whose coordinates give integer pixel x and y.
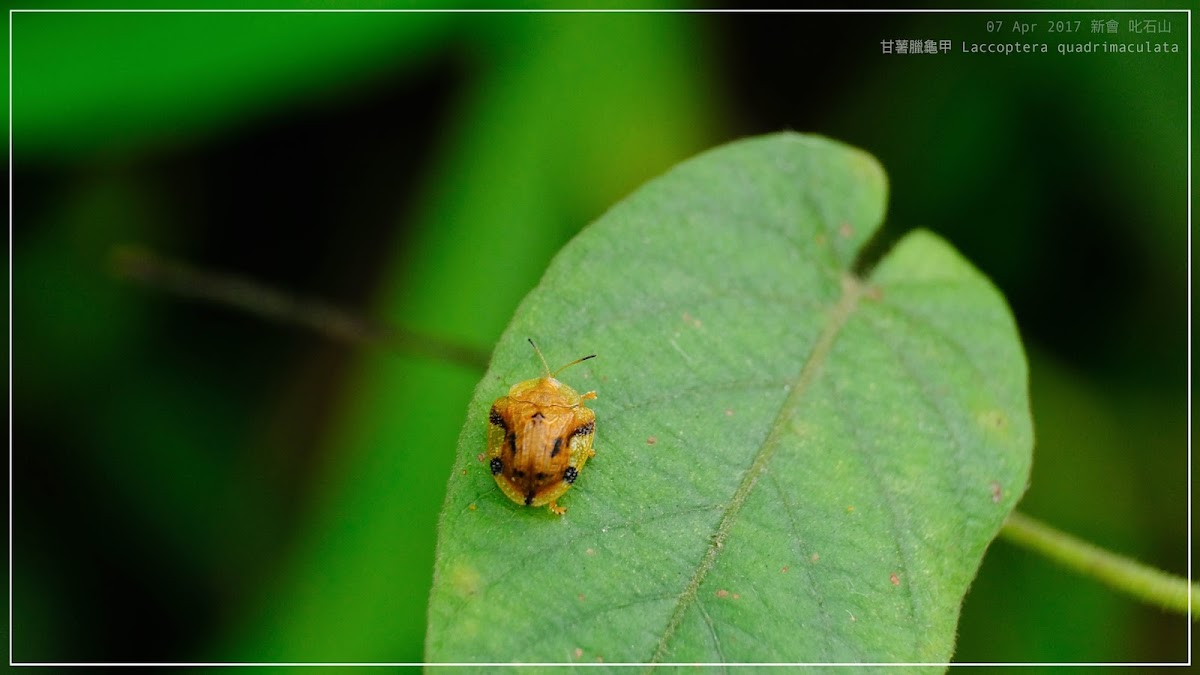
{"type": "Point", "coordinates": [851, 291]}
{"type": "Point", "coordinates": [917, 319]}
{"type": "Point", "coordinates": [712, 631]}
{"type": "Point", "coordinates": [855, 433]}
{"type": "Point", "coordinates": [814, 590]}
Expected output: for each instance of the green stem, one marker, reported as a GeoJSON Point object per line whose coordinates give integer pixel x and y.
{"type": "Point", "coordinates": [1140, 581]}
{"type": "Point", "coordinates": [229, 290]}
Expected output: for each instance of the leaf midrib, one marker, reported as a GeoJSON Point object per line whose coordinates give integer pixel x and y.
{"type": "Point", "coordinates": [852, 290]}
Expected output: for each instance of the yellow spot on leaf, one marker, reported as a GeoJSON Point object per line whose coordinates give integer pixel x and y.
{"type": "Point", "coordinates": [992, 420]}
{"type": "Point", "coordinates": [464, 580]}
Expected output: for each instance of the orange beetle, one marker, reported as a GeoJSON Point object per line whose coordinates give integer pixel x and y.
{"type": "Point", "coordinates": [539, 437]}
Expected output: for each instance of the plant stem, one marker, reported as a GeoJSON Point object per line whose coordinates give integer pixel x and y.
{"type": "Point", "coordinates": [1129, 576]}
{"type": "Point", "coordinates": [229, 290]}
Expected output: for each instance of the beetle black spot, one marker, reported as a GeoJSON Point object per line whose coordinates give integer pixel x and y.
{"type": "Point", "coordinates": [494, 417]}
{"type": "Point", "coordinates": [528, 499]}
{"type": "Point", "coordinates": [584, 430]}
{"type": "Point", "coordinates": [557, 447]}
{"type": "Point", "coordinates": [540, 476]}
{"type": "Point", "coordinates": [518, 474]}
{"type": "Point", "coordinates": [497, 466]}
{"type": "Point", "coordinates": [570, 474]}
{"type": "Point", "coordinates": [512, 441]}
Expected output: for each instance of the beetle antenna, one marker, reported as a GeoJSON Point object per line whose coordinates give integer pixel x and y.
{"type": "Point", "coordinates": [589, 356]}
{"type": "Point", "coordinates": [547, 365]}
{"type": "Point", "coordinates": [539, 353]}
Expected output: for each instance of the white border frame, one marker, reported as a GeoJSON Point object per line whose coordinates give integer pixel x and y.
{"type": "Point", "coordinates": [544, 11]}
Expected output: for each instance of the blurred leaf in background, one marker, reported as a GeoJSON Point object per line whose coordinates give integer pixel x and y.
{"type": "Point", "coordinates": [547, 123]}
{"type": "Point", "coordinates": [193, 483]}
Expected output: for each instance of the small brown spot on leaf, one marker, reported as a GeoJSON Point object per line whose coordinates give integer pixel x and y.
{"type": "Point", "coordinates": [815, 557]}
{"type": "Point", "coordinates": [578, 653]}
{"type": "Point", "coordinates": [591, 551]}
{"type": "Point", "coordinates": [480, 457]}
{"type": "Point", "coordinates": [729, 412]}
{"type": "Point", "coordinates": [873, 292]}
{"type": "Point", "coordinates": [652, 440]}
{"type": "Point", "coordinates": [722, 593]}
{"type": "Point", "coordinates": [582, 597]}
{"type": "Point", "coordinates": [471, 507]}
{"type": "Point", "coordinates": [849, 509]}
{"type": "Point", "coordinates": [736, 596]}
{"type": "Point", "coordinates": [464, 472]}
{"type": "Point", "coordinates": [997, 492]}
{"type": "Point", "coordinates": [784, 569]}
{"type": "Point", "coordinates": [845, 230]}
{"type": "Point", "coordinates": [993, 419]}
{"type": "Point", "coordinates": [894, 579]}
{"type": "Point", "coordinates": [599, 659]}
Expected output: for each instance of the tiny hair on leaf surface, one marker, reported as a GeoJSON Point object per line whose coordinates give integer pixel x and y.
{"type": "Point", "coordinates": [822, 482]}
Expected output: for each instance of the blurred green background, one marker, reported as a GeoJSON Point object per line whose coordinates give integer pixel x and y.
{"type": "Point", "coordinates": [194, 483]}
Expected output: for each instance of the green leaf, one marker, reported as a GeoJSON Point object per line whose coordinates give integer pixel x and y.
{"type": "Point", "coordinates": [792, 464]}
